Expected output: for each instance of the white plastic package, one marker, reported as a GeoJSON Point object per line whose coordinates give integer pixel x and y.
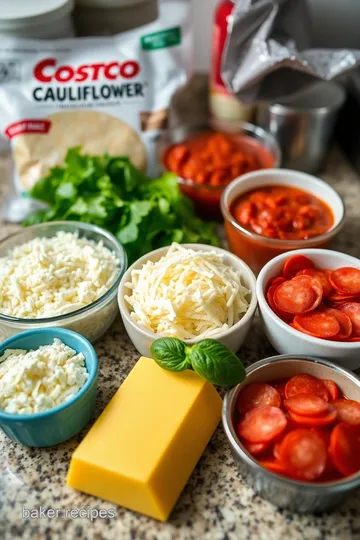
{"type": "Point", "coordinates": [105, 94]}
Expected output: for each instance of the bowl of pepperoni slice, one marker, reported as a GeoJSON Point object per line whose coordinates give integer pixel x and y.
{"type": "Point", "coordinates": [294, 430]}
{"type": "Point", "coordinates": [309, 302]}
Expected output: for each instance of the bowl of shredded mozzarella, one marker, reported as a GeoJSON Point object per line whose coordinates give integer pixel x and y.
{"type": "Point", "coordinates": [63, 274]}
{"type": "Point", "coordinates": [190, 292]}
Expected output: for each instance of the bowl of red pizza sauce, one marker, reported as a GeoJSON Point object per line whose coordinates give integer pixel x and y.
{"type": "Point", "coordinates": [309, 303]}
{"type": "Point", "coordinates": [294, 430]}
{"type": "Point", "coordinates": [272, 211]}
{"type": "Point", "coordinates": [206, 160]}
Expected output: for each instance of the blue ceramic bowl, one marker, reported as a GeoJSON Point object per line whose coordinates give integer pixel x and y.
{"type": "Point", "coordinates": [63, 422]}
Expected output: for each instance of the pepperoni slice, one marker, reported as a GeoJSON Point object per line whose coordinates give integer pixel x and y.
{"type": "Point", "coordinates": [348, 411]}
{"type": "Point", "coordinates": [332, 388]}
{"type": "Point", "coordinates": [324, 434]}
{"type": "Point", "coordinates": [279, 385]}
{"type": "Point", "coordinates": [318, 324]}
{"type": "Point", "coordinates": [276, 450]}
{"type": "Point", "coordinates": [337, 298]}
{"type": "Point", "coordinates": [270, 298]}
{"type": "Point", "coordinates": [303, 383]}
{"type": "Point", "coordinates": [345, 448]}
{"type": "Point", "coordinates": [262, 424]}
{"type": "Point", "coordinates": [298, 295]}
{"type": "Point", "coordinates": [312, 282]}
{"type": "Point", "coordinates": [304, 454]}
{"type": "Point", "coordinates": [346, 280]}
{"type": "Point", "coordinates": [294, 264]}
{"type": "Point", "coordinates": [278, 281]}
{"type": "Point", "coordinates": [255, 448]}
{"type": "Point", "coordinates": [344, 322]}
{"type": "Point", "coordinates": [352, 310]}
{"type": "Point", "coordinates": [274, 466]}
{"type": "Point", "coordinates": [306, 405]}
{"type": "Point", "coordinates": [315, 421]}
{"type": "Point", "coordinates": [257, 395]}
{"type": "Point", "coordinates": [322, 276]}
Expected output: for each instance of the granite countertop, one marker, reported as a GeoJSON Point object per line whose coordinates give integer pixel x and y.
{"type": "Point", "coordinates": [216, 503]}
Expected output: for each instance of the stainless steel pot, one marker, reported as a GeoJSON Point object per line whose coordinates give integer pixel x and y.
{"type": "Point", "coordinates": [304, 125]}
{"type": "Point", "coordinates": [284, 492]}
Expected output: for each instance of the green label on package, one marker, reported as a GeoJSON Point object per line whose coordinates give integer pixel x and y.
{"type": "Point", "coordinates": [161, 40]}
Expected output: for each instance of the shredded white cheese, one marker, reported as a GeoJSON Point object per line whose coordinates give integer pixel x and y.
{"type": "Point", "coordinates": [47, 277]}
{"type": "Point", "coordinates": [187, 294]}
{"type": "Point", "coordinates": [36, 381]}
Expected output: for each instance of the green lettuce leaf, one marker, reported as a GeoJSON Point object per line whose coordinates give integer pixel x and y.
{"type": "Point", "coordinates": [111, 192]}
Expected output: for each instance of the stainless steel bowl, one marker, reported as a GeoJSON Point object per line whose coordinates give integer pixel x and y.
{"type": "Point", "coordinates": [303, 125]}
{"type": "Point", "coordinates": [285, 492]}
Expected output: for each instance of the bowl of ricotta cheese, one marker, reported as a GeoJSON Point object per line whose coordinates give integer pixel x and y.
{"type": "Point", "coordinates": [48, 385]}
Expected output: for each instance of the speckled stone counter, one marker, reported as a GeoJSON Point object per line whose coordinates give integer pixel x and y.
{"type": "Point", "coordinates": [216, 503]}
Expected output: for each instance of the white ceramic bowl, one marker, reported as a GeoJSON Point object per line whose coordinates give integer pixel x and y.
{"type": "Point", "coordinates": [288, 340]}
{"type": "Point", "coordinates": [232, 338]}
{"type": "Point", "coordinates": [257, 250]}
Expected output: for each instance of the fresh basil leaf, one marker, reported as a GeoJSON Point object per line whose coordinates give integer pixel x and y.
{"type": "Point", "coordinates": [170, 354]}
{"type": "Point", "coordinates": [216, 363]}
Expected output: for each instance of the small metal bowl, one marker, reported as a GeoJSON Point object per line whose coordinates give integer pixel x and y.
{"type": "Point", "coordinates": [284, 492]}
{"type": "Point", "coordinates": [304, 124]}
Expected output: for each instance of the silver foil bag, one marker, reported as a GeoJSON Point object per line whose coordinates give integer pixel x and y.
{"type": "Point", "coordinates": [268, 55]}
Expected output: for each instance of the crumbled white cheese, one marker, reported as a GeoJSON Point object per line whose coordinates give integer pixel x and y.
{"type": "Point", "coordinates": [187, 294]}
{"type": "Point", "coordinates": [47, 277]}
{"type": "Point", "coordinates": [36, 381]}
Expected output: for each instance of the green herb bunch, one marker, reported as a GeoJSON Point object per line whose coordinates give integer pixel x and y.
{"type": "Point", "coordinates": [210, 359]}
{"type": "Point", "coordinates": [144, 214]}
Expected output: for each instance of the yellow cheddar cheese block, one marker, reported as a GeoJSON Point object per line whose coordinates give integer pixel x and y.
{"type": "Point", "coordinates": [142, 449]}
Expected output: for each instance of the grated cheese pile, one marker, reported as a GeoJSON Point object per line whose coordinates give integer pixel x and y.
{"type": "Point", "coordinates": [36, 381]}
{"type": "Point", "coordinates": [187, 294]}
{"type": "Point", "coordinates": [47, 277]}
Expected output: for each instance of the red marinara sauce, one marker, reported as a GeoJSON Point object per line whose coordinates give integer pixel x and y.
{"type": "Point", "coordinates": [207, 161]}
{"type": "Point", "coordinates": [282, 212]}
{"type": "Point", "coordinates": [216, 158]}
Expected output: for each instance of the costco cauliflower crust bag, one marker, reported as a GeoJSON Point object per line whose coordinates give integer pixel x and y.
{"type": "Point", "coordinates": [108, 94]}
